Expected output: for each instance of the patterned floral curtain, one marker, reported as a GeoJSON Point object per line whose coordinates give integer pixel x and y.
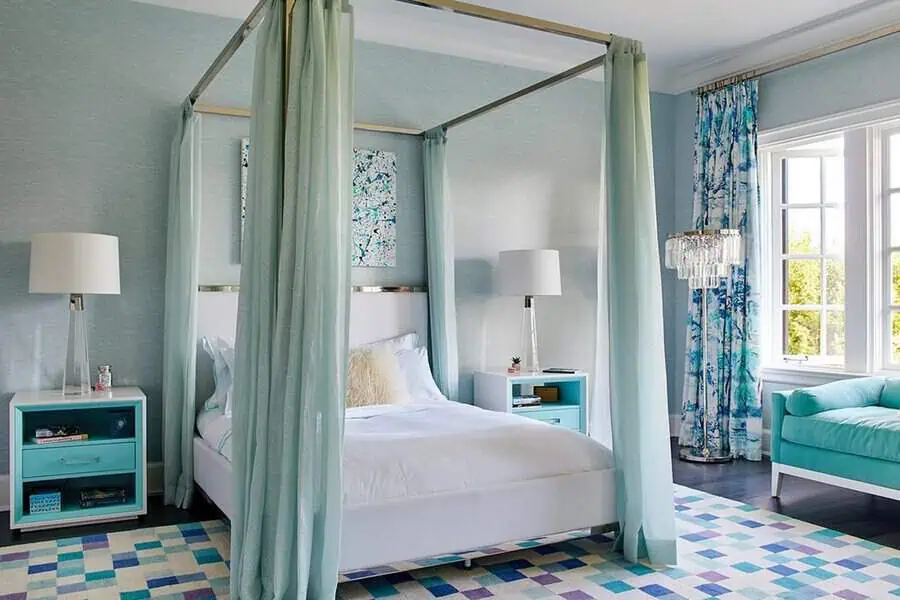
{"type": "Point", "coordinates": [726, 195]}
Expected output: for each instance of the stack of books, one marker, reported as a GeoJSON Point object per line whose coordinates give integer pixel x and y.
{"type": "Point", "coordinates": [58, 434]}
{"type": "Point", "coordinates": [526, 400]}
{"type": "Point", "coordinates": [94, 497]}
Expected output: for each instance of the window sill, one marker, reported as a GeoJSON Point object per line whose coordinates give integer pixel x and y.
{"type": "Point", "coordinates": [806, 376]}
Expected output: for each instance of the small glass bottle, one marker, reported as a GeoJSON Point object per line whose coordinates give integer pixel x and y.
{"type": "Point", "coordinates": [104, 378]}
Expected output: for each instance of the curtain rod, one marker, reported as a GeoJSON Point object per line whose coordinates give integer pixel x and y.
{"type": "Point", "coordinates": [799, 59]}
{"type": "Point", "coordinates": [463, 8]}
{"type": "Point", "coordinates": [249, 24]}
{"type": "Point", "coordinates": [541, 85]}
{"type": "Point", "coordinates": [229, 111]}
{"type": "Point", "coordinates": [511, 18]}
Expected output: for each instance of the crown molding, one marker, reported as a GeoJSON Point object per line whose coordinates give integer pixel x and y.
{"type": "Point", "coordinates": [859, 20]}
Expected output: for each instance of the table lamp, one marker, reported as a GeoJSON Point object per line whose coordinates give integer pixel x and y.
{"type": "Point", "coordinates": [75, 264]}
{"type": "Point", "coordinates": [529, 273]}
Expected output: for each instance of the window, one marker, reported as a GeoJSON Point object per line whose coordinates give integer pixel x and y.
{"type": "Point", "coordinates": [831, 247]}
{"type": "Point", "coordinates": [810, 202]}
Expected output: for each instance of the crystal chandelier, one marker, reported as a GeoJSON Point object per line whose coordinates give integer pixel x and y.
{"type": "Point", "coordinates": [703, 257]}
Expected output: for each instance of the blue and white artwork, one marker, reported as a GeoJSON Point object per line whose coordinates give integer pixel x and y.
{"type": "Point", "coordinates": [245, 169]}
{"type": "Point", "coordinates": [374, 208]}
{"type": "Point", "coordinates": [374, 234]}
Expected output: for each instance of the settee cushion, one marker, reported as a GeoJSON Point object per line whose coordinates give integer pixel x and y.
{"type": "Point", "coordinates": [890, 396]}
{"type": "Point", "coordinates": [848, 393]}
{"type": "Point", "coordinates": [872, 431]}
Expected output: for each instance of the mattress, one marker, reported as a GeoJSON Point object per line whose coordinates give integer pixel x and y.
{"type": "Point", "coordinates": [398, 453]}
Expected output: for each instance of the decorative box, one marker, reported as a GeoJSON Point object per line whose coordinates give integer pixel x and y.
{"type": "Point", "coordinates": [49, 501]}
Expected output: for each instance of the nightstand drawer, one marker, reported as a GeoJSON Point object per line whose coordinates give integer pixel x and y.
{"type": "Point", "coordinates": [63, 462]}
{"type": "Point", "coordinates": [561, 417]}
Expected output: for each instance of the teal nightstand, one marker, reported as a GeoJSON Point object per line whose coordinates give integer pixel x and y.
{"type": "Point", "coordinates": [495, 391]}
{"type": "Point", "coordinates": [56, 484]}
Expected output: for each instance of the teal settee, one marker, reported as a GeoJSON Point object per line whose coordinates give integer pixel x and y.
{"type": "Point", "coordinates": [845, 433]}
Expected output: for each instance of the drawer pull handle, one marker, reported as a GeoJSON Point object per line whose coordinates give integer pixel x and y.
{"type": "Point", "coordinates": [554, 421]}
{"type": "Point", "coordinates": [79, 461]}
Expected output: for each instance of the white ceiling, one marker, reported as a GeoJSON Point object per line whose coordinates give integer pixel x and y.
{"type": "Point", "coordinates": [688, 42]}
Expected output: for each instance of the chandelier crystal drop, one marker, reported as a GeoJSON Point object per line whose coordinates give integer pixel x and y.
{"type": "Point", "coordinates": [703, 257]}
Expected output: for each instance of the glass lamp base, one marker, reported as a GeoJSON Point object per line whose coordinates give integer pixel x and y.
{"type": "Point", "coordinates": [76, 376]}
{"type": "Point", "coordinates": [528, 340]}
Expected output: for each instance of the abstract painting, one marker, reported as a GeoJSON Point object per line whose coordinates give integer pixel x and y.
{"type": "Point", "coordinates": [374, 208]}
{"type": "Point", "coordinates": [374, 236]}
{"type": "Point", "coordinates": [245, 167]}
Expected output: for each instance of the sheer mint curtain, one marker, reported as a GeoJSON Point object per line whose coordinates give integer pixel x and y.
{"type": "Point", "coordinates": [293, 311]}
{"type": "Point", "coordinates": [637, 358]}
{"type": "Point", "coordinates": [441, 276]}
{"type": "Point", "coordinates": [726, 195]}
{"type": "Point", "coordinates": [180, 324]}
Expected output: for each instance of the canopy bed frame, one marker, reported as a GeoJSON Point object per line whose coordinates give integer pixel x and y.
{"type": "Point", "coordinates": [454, 6]}
{"type": "Point", "coordinates": [391, 533]}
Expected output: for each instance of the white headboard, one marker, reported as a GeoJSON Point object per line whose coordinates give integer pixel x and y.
{"type": "Point", "coordinates": [376, 313]}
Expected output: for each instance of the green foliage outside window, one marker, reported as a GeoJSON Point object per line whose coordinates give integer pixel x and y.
{"type": "Point", "coordinates": [802, 327]}
{"type": "Point", "coordinates": [804, 286]}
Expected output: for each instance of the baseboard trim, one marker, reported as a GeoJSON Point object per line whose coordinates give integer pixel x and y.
{"type": "Point", "coordinates": [155, 479]}
{"type": "Point", "coordinates": [4, 492]}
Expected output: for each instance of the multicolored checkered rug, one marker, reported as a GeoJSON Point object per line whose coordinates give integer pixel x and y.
{"type": "Point", "coordinates": [726, 550]}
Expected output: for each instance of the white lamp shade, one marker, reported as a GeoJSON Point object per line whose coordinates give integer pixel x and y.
{"type": "Point", "coordinates": [529, 273]}
{"type": "Point", "coordinates": [74, 263]}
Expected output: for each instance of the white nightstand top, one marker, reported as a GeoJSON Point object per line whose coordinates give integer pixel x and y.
{"type": "Point", "coordinates": [526, 377]}
{"type": "Point", "coordinates": [57, 397]}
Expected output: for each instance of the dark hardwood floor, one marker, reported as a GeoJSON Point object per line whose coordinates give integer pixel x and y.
{"type": "Point", "coordinates": [868, 517]}
{"type": "Point", "coordinates": [862, 515]}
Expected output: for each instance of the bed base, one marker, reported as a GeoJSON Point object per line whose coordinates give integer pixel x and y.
{"type": "Point", "coordinates": [399, 534]}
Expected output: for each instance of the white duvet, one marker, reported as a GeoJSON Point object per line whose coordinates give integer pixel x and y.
{"type": "Point", "coordinates": [392, 453]}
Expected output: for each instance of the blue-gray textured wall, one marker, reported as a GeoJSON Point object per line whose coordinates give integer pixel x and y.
{"type": "Point", "coordinates": [851, 79]}
{"type": "Point", "coordinates": [89, 96]}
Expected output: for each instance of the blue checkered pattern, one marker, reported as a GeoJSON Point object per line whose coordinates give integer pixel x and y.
{"type": "Point", "coordinates": [179, 562]}
{"type": "Point", "coordinates": [726, 550]}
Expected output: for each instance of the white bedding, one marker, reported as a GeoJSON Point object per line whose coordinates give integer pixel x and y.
{"type": "Point", "coordinates": [215, 428]}
{"type": "Point", "coordinates": [393, 453]}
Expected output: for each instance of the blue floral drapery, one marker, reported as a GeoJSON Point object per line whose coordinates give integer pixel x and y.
{"type": "Point", "coordinates": [726, 195]}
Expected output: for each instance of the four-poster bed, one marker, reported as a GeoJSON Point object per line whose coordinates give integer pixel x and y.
{"type": "Point", "coordinates": [475, 502]}
{"type": "Point", "coordinates": [586, 488]}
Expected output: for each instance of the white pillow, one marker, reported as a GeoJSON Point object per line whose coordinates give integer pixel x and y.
{"type": "Point", "coordinates": [407, 341]}
{"type": "Point", "coordinates": [222, 353]}
{"type": "Point", "coordinates": [374, 377]}
{"type": "Point", "coordinates": [417, 373]}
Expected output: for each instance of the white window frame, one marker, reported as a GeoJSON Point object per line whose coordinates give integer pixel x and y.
{"type": "Point", "coordinates": [777, 305]}
{"type": "Point", "coordinates": [883, 192]}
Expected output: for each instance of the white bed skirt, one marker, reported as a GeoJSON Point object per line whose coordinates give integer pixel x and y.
{"type": "Point", "coordinates": [400, 531]}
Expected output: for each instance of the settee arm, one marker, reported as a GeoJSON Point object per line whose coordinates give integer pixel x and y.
{"type": "Point", "coordinates": [779, 401]}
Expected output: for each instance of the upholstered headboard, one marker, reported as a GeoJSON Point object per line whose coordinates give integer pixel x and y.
{"type": "Point", "coordinates": [376, 313]}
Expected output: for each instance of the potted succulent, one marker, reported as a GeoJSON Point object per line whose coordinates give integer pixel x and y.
{"type": "Point", "coordinates": [516, 366]}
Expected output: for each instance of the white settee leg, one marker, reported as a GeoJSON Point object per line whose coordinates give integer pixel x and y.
{"type": "Point", "coordinates": [777, 477]}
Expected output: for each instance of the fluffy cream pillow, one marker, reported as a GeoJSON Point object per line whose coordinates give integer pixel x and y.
{"type": "Point", "coordinates": [374, 377]}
